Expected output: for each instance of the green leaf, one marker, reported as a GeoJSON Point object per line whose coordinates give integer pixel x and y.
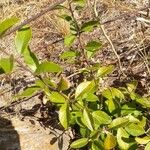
{"type": "Point", "coordinates": [68, 55]}
{"type": "Point", "coordinates": [91, 97]}
{"type": "Point", "coordinates": [135, 129]}
{"type": "Point", "coordinates": [101, 117]}
{"type": "Point", "coordinates": [88, 120]}
{"type": "Point", "coordinates": [132, 86]}
{"type": "Point", "coordinates": [48, 67]}
{"type": "Point", "coordinates": [112, 106]}
{"type": "Point", "coordinates": [22, 39]}
{"type": "Point", "coordinates": [93, 46]}
{"type": "Point", "coordinates": [97, 145]}
{"type": "Point", "coordinates": [105, 70]}
{"type": "Point", "coordinates": [89, 26]}
{"type": "Point", "coordinates": [147, 146]}
{"type": "Point", "coordinates": [119, 122]}
{"type": "Point", "coordinates": [109, 142]}
{"type": "Point", "coordinates": [56, 97]}
{"type": "Point", "coordinates": [69, 39]}
{"type": "Point", "coordinates": [81, 3]}
{"type": "Point", "coordinates": [79, 143]}
{"type": "Point", "coordinates": [63, 84]}
{"type": "Point", "coordinates": [64, 115]}
{"type": "Point", "coordinates": [7, 23]}
{"type": "Point", "coordinates": [6, 64]}
{"type": "Point", "coordinates": [113, 93]}
{"type": "Point", "coordinates": [123, 139]}
{"type": "Point", "coordinates": [143, 140]}
{"type": "Point", "coordinates": [128, 109]}
{"type": "Point", "coordinates": [28, 92]}
{"type": "Point", "coordinates": [30, 59]}
{"type": "Point", "coordinates": [84, 87]}
{"type": "Point", "coordinates": [66, 17]}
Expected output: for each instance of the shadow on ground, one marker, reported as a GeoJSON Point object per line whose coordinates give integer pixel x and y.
{"type": "Point", "coordinates": [9, 138]}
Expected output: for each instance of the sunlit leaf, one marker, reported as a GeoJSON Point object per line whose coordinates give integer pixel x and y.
{"type": "Point", "coordinates": [6, 64]}
{"type": "Point", "coordinates": [22, 39]}
{"type": "Point", "coordinates": [105, 70]}
{"type": "Point", "coordinates": [64, 84]}
{"type": "Point", "coordinates": [123, 139]}
{"type": "Point", "coordinates": [119, 122]}
{"type": "Point", "coordinates": [93, 46]}
{"type": "Point", "coordinates": [143, 140]}
{"type": "Point", "coordinates": [147, 147]}
{"type": "Point", "coordinates": [81, 3]}
{"type": "Point", "coordinates": [30, 59]}
{"type": "Point", "coordinates": [48, 67]}
{"type": "Point", "coordinates": [7, 23]}
{"type": "Point", "coordinates": [79, 143]}
{"type": "Point", "coordinates": [28, 92]}
{"type": "Point", "coordinates": [101, 117]}
{"type": "Point", "coordinates": [132, 86]}
{"type": "Point", "coordinates": [64, 115]}
{"type": "Point", "coordinates": [56, 97]}
{"type": "Point", "coordinates": [89, 26]}
{"type": "Point", "coordinates": [69, 39]}
{"type": "Point", "coordinates": [109, 142]}
{"type": "Point", "coordinates": [84, 87]}
{"type": "Point", "coordinates": [134, 129]}
{"type": "Point", "coordinates": [88, 120]}
{"type": "Point", "coordinates": [91, 97]}
{"type": "Point", "coordinates": [97, 145]}
{"type": "Point", "coordinates": [68, 55]}
{"type": "Point", "coordinates": [113, 93]}
{"type": "Point", "coordinates": [112, 106]}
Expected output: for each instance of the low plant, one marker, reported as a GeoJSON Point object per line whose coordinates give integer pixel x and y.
{"type": "Point", "coordinates": [102, 118]}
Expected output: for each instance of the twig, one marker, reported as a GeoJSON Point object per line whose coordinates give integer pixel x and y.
{"type": "Point", "coordinates": [50, 8]}
{"type": "Point", "coordinates": [108, 39]}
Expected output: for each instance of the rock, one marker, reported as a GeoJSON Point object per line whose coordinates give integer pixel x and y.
{"type": "Point", "coordinates": [23, 135]}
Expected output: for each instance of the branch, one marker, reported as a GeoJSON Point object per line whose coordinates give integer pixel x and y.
{"type": "Point", "coordinates": [43, 12]}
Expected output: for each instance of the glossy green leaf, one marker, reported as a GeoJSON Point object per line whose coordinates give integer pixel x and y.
{"type": "Point", "coordinates": [84, 87]}
{"type": "Point", "coordinates": [56, 97]}
{"type": "Point", "coordinates": [97, 145]}
{"type": "Point", "coordinates": [6, 64]}
{"type": "Point", "coordinates": [132, 86]}
{"type": "Point", "coordinates": [28, 92]}
{"type": "Point", "coordinates": [69, 39]}
{"type": "Point", "coordinates": [89, 26]}
{"type": "Point", "coordinates": [119, 122]}
{"type": "Point", "coordinates": [22, 39]}
{"type": "Point", "coordinates": [101, 117]}
{"type": "Point", "coordinates": [147, 147]}
{"type": "Point", "coordinates": [48, 67]}
{"type": "Point", "coordinates": [109, 142]}
{"type": "Point", "coordinates": [68, 55]}
{"type": "Point", "coordinates": [123, 139]}
{"type": "Point", "coordinates": [128, 109]}
{"type": "Point", "coordinates": [105, 70]}
{"type": "Point", "coordinates": [88, 120]}
{"type": "Point", "coordinates": [93, 46]}
{"type": "Point", "coordinates": [79, 143]}
{"type": "Point", "coordinates": [30, 59]}
{"type": "Point", "coordinates": [91, 97]}
{"type": "Point", "coordinates": [135, 129]}
{"type": "Point", "coordinates": [113, 93]}
{"type": "Point", "coordinates": [7, 23]}
{"type": "Point", "coordinates": [81, 3]}
{"type": "Point", "coordinates": [112, 106]}
{"type": "Point", "coordinates": [143, 140]}
{"type": "Point", "coordinates": [64, 115]}
{"type": "Point", "coordinates": [64, 84]}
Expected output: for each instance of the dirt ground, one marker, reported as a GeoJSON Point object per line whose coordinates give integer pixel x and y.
{"type": "Point", "coordinates": [127, 24]}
